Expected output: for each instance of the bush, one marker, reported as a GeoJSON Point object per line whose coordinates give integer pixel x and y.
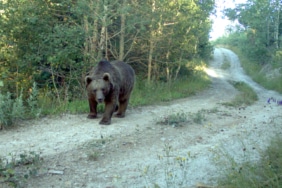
{"type": "Point", "coordinates": [5, 103]}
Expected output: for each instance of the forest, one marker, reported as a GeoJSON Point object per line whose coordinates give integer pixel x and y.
{"type": "Point", "coordinates": [258, 36]}
{"type": "Point", "coordinates": [53, 43]}
{"type": "Point", "coordinates": [47, 46]}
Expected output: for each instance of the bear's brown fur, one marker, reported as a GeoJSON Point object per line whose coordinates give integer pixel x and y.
{"type": "Point", "coordinates": [111, 83]}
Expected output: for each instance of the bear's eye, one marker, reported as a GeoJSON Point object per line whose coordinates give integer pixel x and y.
{"type": "Point", "coordinates": [94, 90]}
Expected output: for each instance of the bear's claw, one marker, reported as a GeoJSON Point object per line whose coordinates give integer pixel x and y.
{"type": "Point", "coordinates": [91, 116]}
{"type": "Point", "coordinates": [104, 122]}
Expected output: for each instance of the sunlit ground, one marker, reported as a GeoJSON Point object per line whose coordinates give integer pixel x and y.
{"type": "Point", "coordinates": [216, 73]}
{"type": "Point", "coordinates": [211, 72]}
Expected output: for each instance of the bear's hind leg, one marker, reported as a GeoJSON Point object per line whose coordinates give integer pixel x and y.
{"type": "Point", "coordinates": [122, 108]}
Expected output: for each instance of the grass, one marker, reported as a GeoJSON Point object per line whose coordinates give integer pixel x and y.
{"type": "Point", "coordinates": [226, 64]}
{"type": "Point", "coordinates": [267, 172]}
{"type": "Point", "coordinates": [253, 69]}
{"type": "Point", "coordinates": [246, 95]}
{"type": "Point", "coordinates": [152, 93]}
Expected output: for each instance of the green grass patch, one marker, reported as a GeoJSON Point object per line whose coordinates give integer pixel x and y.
{"type": "Point", "coordinates": [226, 64]}
{"type": "Point", "coordinates": [246, 95]}
{"type": "Point", "coordinates": [265, 173]}
{"type": "Point", "coordinates": [253, 69]}
{"type": "Point", "coordinates": [146, 93]}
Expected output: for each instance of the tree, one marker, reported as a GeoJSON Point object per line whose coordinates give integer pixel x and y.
{"type": "Point", "coordinates": [55, 43]}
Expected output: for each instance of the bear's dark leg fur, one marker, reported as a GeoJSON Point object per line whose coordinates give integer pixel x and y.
{"type": "Point", "coordinates": [122, 108]}
{"type": "Point", "coordinates": [93, 108]}
{"type": "Point", "coordinates": [109, 110]}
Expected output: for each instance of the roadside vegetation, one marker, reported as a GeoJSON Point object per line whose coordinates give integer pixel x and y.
{"type": "Point", "coordinates": [257, 43]}
{"type": "Point", "coordinates": [54, 44]}
{"type": "Point", "coordinates": [259, 73]}
{"type": "Point", "coordinates": [267, 172]}
{"type": "Point", "coordinates": [247, 96]}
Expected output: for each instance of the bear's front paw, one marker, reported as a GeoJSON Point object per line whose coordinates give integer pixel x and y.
{"type": "Point", "coordinates": [105, 122]}
{"type": "Point", "coordinates": [119, 115]}
{"type": "Point", "coordinates": [92, 116]}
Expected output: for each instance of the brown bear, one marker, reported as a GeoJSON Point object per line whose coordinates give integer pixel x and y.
{"type": "Point", "coordinates": [111, 83]}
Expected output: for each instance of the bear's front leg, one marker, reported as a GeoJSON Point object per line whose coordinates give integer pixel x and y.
{"type": "Point", "coordinates": [109, 110]}
{"type": "Point", "coordinates": [122, 108]}
{"type": "Point", "coordinates": [93, 108]}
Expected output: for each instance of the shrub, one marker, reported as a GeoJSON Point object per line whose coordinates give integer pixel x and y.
{"type": "Point", "coordinates": [14, 109]}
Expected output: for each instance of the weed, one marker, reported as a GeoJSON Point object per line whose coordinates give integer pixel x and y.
{"type": "Point", "coordinates": [94, 156]}
{"type": "Point", "coordinates": [181, 118]}
{"type": "Point", "coordinates": [199, 117]}
{"type": "Point", "coordinates": [174, 120]}
{"type": "Point", "coordinates": [14, 170]}
{"type": "Point", "coordinates": [95, 147]}
{"type": "Point", "coordinates": [213, 110]}
{"type": "Point", "coordinates": [173, 169]}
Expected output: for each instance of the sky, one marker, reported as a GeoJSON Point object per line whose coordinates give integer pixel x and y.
{"type": "Point", "coordinates": [220, 23]}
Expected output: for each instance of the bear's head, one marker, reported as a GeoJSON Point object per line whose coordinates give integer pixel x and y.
{"type": "Point", "coordinates": [99, 88]}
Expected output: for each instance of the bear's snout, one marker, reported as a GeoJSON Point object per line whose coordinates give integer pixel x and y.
{"type": "Point", "coordinates": [99, 96]}
{"type": "Point", "coordinates": [100, 100]}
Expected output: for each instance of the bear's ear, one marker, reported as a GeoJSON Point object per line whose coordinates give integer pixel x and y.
{"type": "Point", "coordinates": [88, 79]}
{"type": "Point", "coordinates": [107, 77]}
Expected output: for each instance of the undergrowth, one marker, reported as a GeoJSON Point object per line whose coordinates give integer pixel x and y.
{"type": "Point", "coordinates": [253, 69]}
{"type": "Point", "coordinates": [246, 96]}
{"type": "Point", "coordinates": [13, 109]}
{"type": "Point", "coordinates": [145, 93]}
{"type": "Point", "coordinates": [180, 118]}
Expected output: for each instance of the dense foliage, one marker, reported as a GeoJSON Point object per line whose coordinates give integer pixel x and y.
{"type": "Point", "coordinates": [258, 38]}
{"type": "Point", "coordinates": [54, 43]}
{"type": "Point", "coordinates": [259, 31]}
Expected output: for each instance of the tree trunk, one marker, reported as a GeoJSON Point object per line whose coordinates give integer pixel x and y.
{"type": "Point", "coordinates": [151, 44]}
{"type": "Point", "coordinates": [94, 42]}
{"type": "Point", "coordinates": [103, 35]}
{"type": "Point", "coordinates": [276, 29]}
{"type": "Point", "coordinates": [122, 33]}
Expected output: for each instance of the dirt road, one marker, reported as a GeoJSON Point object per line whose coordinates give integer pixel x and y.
{"type": "Point", "coordinates": [137, 152]}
